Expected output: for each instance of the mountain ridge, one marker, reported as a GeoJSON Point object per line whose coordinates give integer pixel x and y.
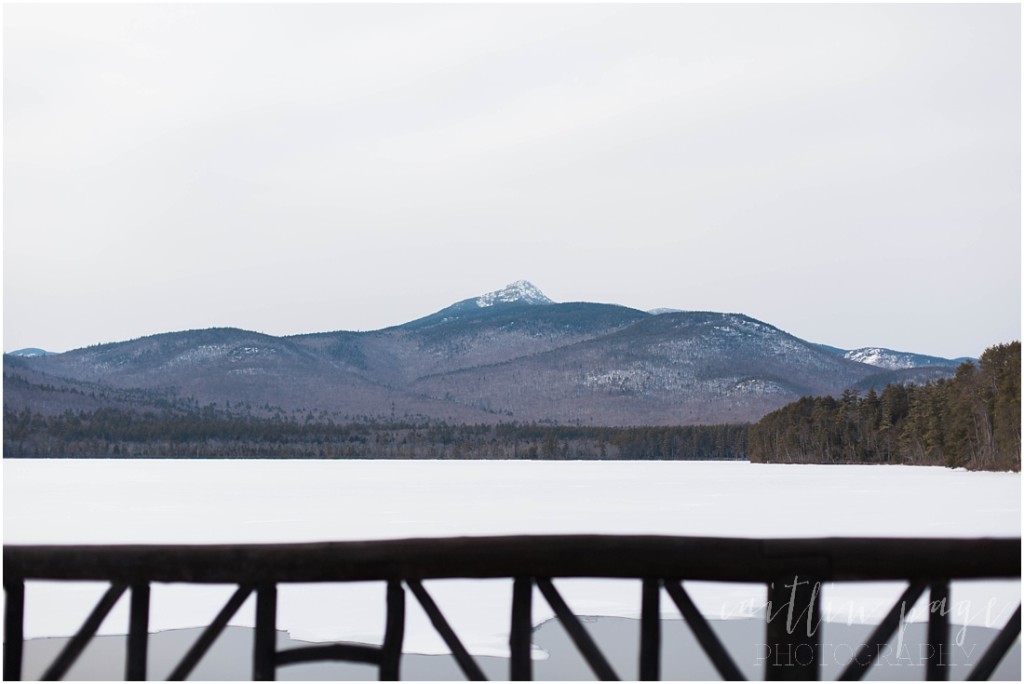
{"type": "Point", "coordinates": [511, 354]}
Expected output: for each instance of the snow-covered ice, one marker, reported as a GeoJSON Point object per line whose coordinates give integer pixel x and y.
{"type": "Point", "coordinates": [234, 501]}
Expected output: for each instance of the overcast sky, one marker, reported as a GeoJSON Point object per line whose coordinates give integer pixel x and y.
{"type": "Point", "coordinates": [850, 173]}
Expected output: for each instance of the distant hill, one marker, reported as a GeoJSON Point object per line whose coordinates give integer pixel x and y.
{"type": "Point", "coordinates": [30, 351]}
{"type": "Point", "coordinates": [512, 354]}
{"type": "Point", "coordinates": [894, 360]}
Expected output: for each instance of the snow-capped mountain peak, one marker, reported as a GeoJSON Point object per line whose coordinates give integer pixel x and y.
{"type": "Point", "coordinates": [519, 292]}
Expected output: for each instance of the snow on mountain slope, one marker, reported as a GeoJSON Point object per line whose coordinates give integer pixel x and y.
{"type": "Point", "coordinates": [895, 360]}
{"type": "Point", "coordinates": [519, 292]}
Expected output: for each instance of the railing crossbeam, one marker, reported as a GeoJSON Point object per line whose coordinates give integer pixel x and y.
{"type": "Point", "coordinates": [870, 649]}
{"type": "Point", "coordinates": [461, 655]}
{"type": "Point", "coordinates": [353, 653]}
{"type": "Point", "coordinates": [209, 635]}
{"type": "Point", "coordinates": [997, 649]}
{"type": "Point", "coordinates": [77, 644]}
{"type": "Point", "coordinates": [705, 635]}
{"type": "Point", "coordinates": [586, 645]}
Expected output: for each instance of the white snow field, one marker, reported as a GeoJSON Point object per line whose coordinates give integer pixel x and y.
{"type": "Point", "coordinates": [243, 501]}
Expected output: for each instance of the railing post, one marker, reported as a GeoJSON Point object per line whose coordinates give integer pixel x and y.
{"type": "Point", "coordinates": [521, 634]}
{"type": "Point", "coordinates": [264, 642]}
{"type": "Point", "coordinates": [138, 633]}
{"type": "Point", "coordinates": [394, 633]}
{"type": "Point", "coordinates": [650, 630]}
{"type": "Point", "coordinates": [14, 621]}
{"type": "Point", "coordinates": [792, 648]}
{"type": "Point", "coordinates": [938, 632]}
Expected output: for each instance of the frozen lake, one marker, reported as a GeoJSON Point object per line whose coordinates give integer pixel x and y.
{"type": "Point", "coordinates": [233, 501]}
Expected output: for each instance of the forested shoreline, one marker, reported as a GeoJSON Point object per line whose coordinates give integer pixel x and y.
{"type": "Point", "coordinates": [110, 433]}
{"type": "Point", "coordinates": [970, 421]}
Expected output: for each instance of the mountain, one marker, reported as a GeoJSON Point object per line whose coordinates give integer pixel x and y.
{"type": "Point", "coordinates": [894, 360]}
{"type": "Point", "coordinates": [30, 351]}
{"type": "Point", "coordinates": [515, 295]}
{"type": "Point", "coordinates": [511, 354]}
{"type": "Point", "coordinates": [519, 292]}
{"type": "Point", "coordinates": [683, 368]}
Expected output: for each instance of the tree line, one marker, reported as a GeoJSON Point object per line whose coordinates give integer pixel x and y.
{"type": "Point", "coordinates": [210, 433]}
{"type": "Point", "coordinates": [971, 421]}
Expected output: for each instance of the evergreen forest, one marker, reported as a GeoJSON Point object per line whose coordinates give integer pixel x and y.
{"type": "Point", "coordinates": [208, 433]}
{"type": "Point", "coordinates": [969, 421]}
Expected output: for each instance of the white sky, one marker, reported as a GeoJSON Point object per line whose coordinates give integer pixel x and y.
{"type": "Point", "coordinates": [849, 173]}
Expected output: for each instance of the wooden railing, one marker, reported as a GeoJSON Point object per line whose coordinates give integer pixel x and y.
{"type": "Point", "coordinates": [791, 569]}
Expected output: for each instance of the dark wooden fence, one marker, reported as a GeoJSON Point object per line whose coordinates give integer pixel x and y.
{"type": "Point", "coordinates": [791, 569]}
